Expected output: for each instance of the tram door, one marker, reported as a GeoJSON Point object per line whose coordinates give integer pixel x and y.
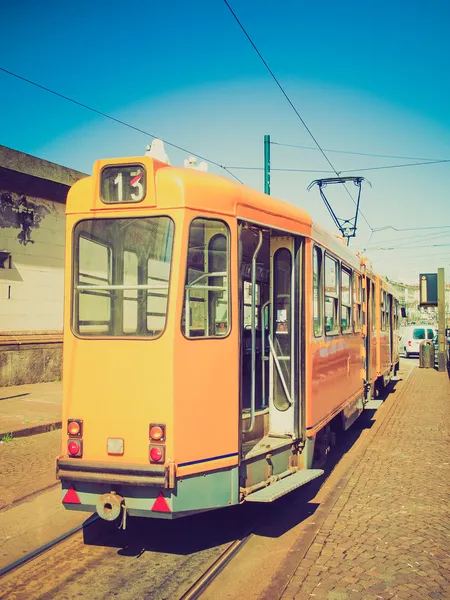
{"type": "Point", "coordinates": [284, 336]}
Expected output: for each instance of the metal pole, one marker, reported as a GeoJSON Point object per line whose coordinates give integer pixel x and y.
{"type": "Point", "coordinates": [267, 164]}
{"type": "Point", "coordinates": [441, 320]}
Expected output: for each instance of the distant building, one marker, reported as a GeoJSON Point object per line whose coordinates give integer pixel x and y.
{"type": "Point", "coordinates": [409, 298]}
{"type": "Point", "coordinates": [32, 219]}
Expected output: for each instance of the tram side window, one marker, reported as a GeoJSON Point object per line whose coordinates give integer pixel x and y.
{"type": "Point", "coordinates": [317, 292]}
{"type": "Point", "coordinates": [346, 301]}
{"type": "Point", "coordinates": [373, 306]}
{"type": "Point", "coordinates": [248, 303]}
{"type": "Point", "coordinates": [383, 310]}
{"type": "Point", "coordinates": [331, 295]}
{"type": "Point", "coordinates": [357, 301]}
{"type": "Point", "coordinates": [206, 295]}
{"type": "Point", "coordinates": [388, 311]}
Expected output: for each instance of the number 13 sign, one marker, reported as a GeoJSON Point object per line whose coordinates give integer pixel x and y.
{"type": "Point", "coordinates": [123, 184]}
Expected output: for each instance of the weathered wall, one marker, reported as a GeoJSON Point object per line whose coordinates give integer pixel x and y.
{"type": "Point", "coordinates": [32, 217]}
{"type": "Point", "coordinates": [31, 284]}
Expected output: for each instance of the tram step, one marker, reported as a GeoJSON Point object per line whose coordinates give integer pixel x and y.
{"type": "Point", "coordinates": [284, 486]}
{"type": "Point", "coordinates": [373, 404]}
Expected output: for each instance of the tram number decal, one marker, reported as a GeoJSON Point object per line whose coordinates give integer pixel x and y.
{"type": "Point", "coordinates": [123, 184]}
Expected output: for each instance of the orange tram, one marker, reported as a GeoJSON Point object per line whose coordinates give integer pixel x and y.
{"type": "Point", "coordinates": [216, 343]}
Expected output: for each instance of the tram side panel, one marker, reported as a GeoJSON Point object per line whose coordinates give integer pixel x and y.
{"type": "Point", "coordinates": [334, 349]}
{"type": "Point", "coordinates": [206, 386]}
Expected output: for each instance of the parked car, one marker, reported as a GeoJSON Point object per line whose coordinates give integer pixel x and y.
{"type": "Point", "coordinates": [411, 336]}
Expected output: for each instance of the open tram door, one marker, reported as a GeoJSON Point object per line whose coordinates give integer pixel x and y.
{"type": "Point", "coordinates": [284, 342]}
{"type": "Point", "coordinates": [270, 329]}
{"type": "Point", "coordinates": [271, 364]}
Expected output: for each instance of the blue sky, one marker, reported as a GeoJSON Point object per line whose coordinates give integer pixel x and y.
{"type": "Point", "coordinates": [366, 77]}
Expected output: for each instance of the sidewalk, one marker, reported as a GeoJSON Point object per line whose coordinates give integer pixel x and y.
{"type": "Point", "coordinates": [388, 533]}
{"type": "Point", "coordinates": [30, 409]}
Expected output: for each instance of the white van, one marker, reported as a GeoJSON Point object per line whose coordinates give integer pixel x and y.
{"type": "Point", "coordinates": [411, 336]}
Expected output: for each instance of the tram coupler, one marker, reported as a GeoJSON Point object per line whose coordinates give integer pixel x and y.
{"type": "Point", "coordinates": [110, 506]}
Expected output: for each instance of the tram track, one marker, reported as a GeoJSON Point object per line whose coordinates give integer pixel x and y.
{"type": "Point", "coordinates": [45, 547]}
{"type": "Point", "coordinates": [199, 586]}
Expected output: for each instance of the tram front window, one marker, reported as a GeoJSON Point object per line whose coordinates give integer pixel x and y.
{"type": "Point", "coordinates": [121, 276]}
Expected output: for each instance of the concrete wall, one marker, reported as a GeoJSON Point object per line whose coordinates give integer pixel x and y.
{"type": "Point", "coordinates": [32, 219]}
{"type": "Point", "coordinates": [32, 284]}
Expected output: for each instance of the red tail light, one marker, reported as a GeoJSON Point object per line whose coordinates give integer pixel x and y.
{"type": "Point", "coordinates": [157, 432]}
{"type": "Point", "coordinates": [409, 343]}
{"type": "Point", "coordinates": [75, 447]}
{"type": "Point", "coordinates": [157, 454]}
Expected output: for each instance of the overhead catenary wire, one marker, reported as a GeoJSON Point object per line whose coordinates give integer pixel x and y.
{"type": "Point", "coordinates": [119, 121]}
{"type": "Point", "coordinates": [294, 170]}
{"type": "Point", "coordinates": [358, 153]}
{"type": "Point", "coordinates": [291, 104]}
{"type": "Point", "coordinates": [401, 242]}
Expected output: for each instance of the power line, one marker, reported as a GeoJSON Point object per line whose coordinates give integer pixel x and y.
{"type": "Point", "coordinates": [412, 239]}
{"type": "Point", "coordinates": [358, 153]}
{"type": "Point", "coordinates": [410, 228]}
{"type": "Point", "coordinates": [291, 103]}
{"type": "Point", "coordinates": [401, 249]}
{"type": "Point", "coordinates": [119, 121]}
{"type": "Point", "coordinates": [282, 169]}
{"type": "Point", "coordinates": [428, 162]}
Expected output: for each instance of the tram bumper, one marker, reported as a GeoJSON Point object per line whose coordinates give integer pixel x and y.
{"type": "Point", "coordinates": [146, 491]}
{"type": "Point", "coordinates": [161, 476]}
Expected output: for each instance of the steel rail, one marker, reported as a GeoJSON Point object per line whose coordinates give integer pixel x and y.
{"type": "Point", "coordinates": [35, 553]}
{"type": "Point", "coordinates": [198, 587]}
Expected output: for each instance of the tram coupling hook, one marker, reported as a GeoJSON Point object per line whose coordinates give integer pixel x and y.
{"type": "Point", "coordinates": [109, 506]}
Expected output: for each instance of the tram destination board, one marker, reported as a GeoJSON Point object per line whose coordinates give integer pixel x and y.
{"type": "Point", "coordinates": [123, 183]}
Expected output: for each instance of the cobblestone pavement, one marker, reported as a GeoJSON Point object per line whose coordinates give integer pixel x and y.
{"type": "Point", "coordinates": [388, 534]}
{"type": "Point", "coordinates": [27, 465]}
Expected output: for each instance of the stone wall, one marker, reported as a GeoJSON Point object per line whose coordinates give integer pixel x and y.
{"type": "Point", "coordinates": [32, 358]}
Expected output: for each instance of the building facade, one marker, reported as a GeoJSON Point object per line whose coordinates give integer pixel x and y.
{"type": "Point", "coordinates": [32, 216]}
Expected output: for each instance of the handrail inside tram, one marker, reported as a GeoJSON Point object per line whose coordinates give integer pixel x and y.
{"type": "Point", "coordinates": [121, 287]}
{"type": "Point", "coordinates": [277, 363]}
{"type": "Point", "coordinates": [203, 275]}
{"type": "Point", "coordinates": [194, 286]}
{"type": "Point", "coordinates": [253, 325]}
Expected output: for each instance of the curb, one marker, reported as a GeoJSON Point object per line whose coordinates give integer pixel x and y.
{"type": "Point", "coordinates": [33, 430]}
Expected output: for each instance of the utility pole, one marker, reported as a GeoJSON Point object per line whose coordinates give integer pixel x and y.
{"type": "Point", "coordinates": [441, 321]}
{"type": "Point", "coordinates": [267, 164]}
